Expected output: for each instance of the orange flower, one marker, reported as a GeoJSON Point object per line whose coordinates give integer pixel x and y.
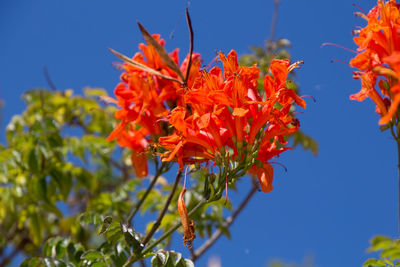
{"type": "Point", "coordinates": [224, 118]}
{"type": "Point", "coordinates": [217, 116]}
{"type": "Point", "coordinates": [379, 59]}
{"type": "Point", "coordinates": [143, 98]}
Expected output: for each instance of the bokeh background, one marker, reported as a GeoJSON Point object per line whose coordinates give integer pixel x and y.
{"type": "Point", "coordinates": [324, 208]}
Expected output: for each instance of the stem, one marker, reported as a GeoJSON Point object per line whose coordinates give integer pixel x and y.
{"type": "Point", "coordinates": [273, 25]}
{"type": "Point", "coordinates": [163, 211]}
{"type": "Point", "coordinates": [48, 79]}
{"type": "Point", "coordinates": [9, 257]}
{"type": "Point", "coordinates": [172, 229]}
{"type": "Point", "coordinates": [227, 222]}
{"type": "Point", "coordinates": [398, 166]}
{"type": "Point", "coordinates": [139, 204]}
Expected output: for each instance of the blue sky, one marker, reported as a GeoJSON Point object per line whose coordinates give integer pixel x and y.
{"type": "Point", "coordinates": [326, 207]}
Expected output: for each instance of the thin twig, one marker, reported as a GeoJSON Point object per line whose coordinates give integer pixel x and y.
{"type": "Point", "coordinates": [48, 79]}
{"type": "Point", "coordinates": [398, 167]}
{"type": "Point", "coordinates": [163, 211]}
{"type": "Point", "coordinates": [15, 251]}
{"type": "Point", "coordinates": [189, 22]}
{"type": "Point", "coordinates": [397, 139]}
{"type": "Point", "coordinates": [228, 222]}
{"type": "Point", "coordinates": [142, 263]}
{"type": "Point", "coordinates": [273, 25]}
{"type": "Point", "coordinates": [9, 257]}
{"type": "Point", "coordinates": [139, 204]}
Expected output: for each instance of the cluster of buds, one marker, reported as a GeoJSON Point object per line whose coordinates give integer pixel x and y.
{"type": "Point", "coordinates": [215, 116]}
{"type": "Point", "coordinates": [378, 59]}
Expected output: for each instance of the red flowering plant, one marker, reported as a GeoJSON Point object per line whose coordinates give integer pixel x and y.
{"type": "Point", "coordinates": [378, 60]}
{"type": "Point", "coordinates": [224, 120]}
{"type": "Point", "coordinates": [378, 68]}
{"type": "Point", "coordinates": [201, 119]}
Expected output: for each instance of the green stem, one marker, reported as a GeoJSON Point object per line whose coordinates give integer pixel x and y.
{"type": "Point", "coordinates": [139, 204]}
{"type": "Point", "coordinates": [172, 229]}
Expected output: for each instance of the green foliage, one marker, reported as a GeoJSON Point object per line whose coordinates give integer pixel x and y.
{"type": "Point", "coordinates": [307, 262]}
{"type": "Point", "coordinates": [57, 164]}
{"type": "Point", "coordinates": [170, 259]}
{"type": "Point", "coordinates": [262, 56]}
{"type": "Point", "coordinates": [65, 191]}
{"type": "Point", "coordinates": [389, 252]}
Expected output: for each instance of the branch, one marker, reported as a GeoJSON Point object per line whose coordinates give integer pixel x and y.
{"type": "Point", "coordinates": [228, 222]}
{"type": "Point", "coordinates": [15, 251]}
{"type": "Point", "coordinates": [48, 79]}
{"type": "Point", "coordinates": [9, 257]}
{"type": "Point", "coordinates": [164, 210]}
{"type": "Point", "coordinates": [139, 204]}
{"type": "Point", "coordinates": [273, 25]}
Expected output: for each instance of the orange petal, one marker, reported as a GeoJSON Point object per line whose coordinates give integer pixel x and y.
{"type": "Point", "coordinates": [139, 162]}
{"type": "Point", "coordinates": [265, 176]}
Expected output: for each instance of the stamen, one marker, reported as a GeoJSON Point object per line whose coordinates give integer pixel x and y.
{"type": "Point", "coordinates": [341, 61]}
{"type": "Point", "coordinates": [208, 66]}
{"type": "Point", "coordinates": [357, 6]}
{"type": "Point", "coordinates": [361, 15]}
{"type": "Point", "coordinates": [355, 32]}
{"type": "Point", "coordinates": [280, 164]}
{"type": "Point", "coordinates": [315, 101]}
{"type": "Point", "coordinates": [345, 48]}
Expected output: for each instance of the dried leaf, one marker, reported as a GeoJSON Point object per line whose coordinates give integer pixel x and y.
{"type": "Point", "coordinates": [142, 67]}
{"type": "Point", "coordinates": [161, 52]}
{"type": "Point", "coordinates": [187, 224]}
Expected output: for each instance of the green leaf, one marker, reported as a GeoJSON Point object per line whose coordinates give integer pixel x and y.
{"type": "Point", "coordinates": [99, 264]}
{"type": "Point", "coordinates": [52, 208]}
{"type": "Point", "coordinates": [170, 259]}
{"type": "Point", "coordinates": [113, 233]}
{"type": "Point", "coordinates": [225, 231]}
{"type": "Point", "coordinates": [89, 218]}
{"type": "Point", "coordinates": [63, 180]}
{"type": "Point", "coordinates": [92, 255]}
{"type": "Point", "coordinates": [131, 238]}
{"type": "Point", "coordinates": [379, 243]}
{"type": "Point", "coordinates": [373, 263]}
{"type": "Point", "coordinates": [31, 262]}
{"type": "Point", "coordinates": [106, 223]}
{"type": "Point", "coordinates": [34, 160]}
{"type": "Point", "coordinates": [35, 228]}
{"type": "Point", "coordinates": [52, 262]}
{"type": "Point", "coordinates": [384, 127]}
{"type": "Point", "coordinates": [75, 252]}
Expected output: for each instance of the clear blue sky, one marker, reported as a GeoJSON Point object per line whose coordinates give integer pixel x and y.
{"type": "Point", "coordinates": [327, 206]}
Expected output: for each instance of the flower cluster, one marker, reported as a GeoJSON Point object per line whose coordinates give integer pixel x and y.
{"type": "Point", "coordinates": [225, 119]}
{"type": "Point", "coordinates": [378, 60]}
{"type": "Point", "coordinates": [216, 116]}
{"type": "Point", "coordinates": [145, 99]}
